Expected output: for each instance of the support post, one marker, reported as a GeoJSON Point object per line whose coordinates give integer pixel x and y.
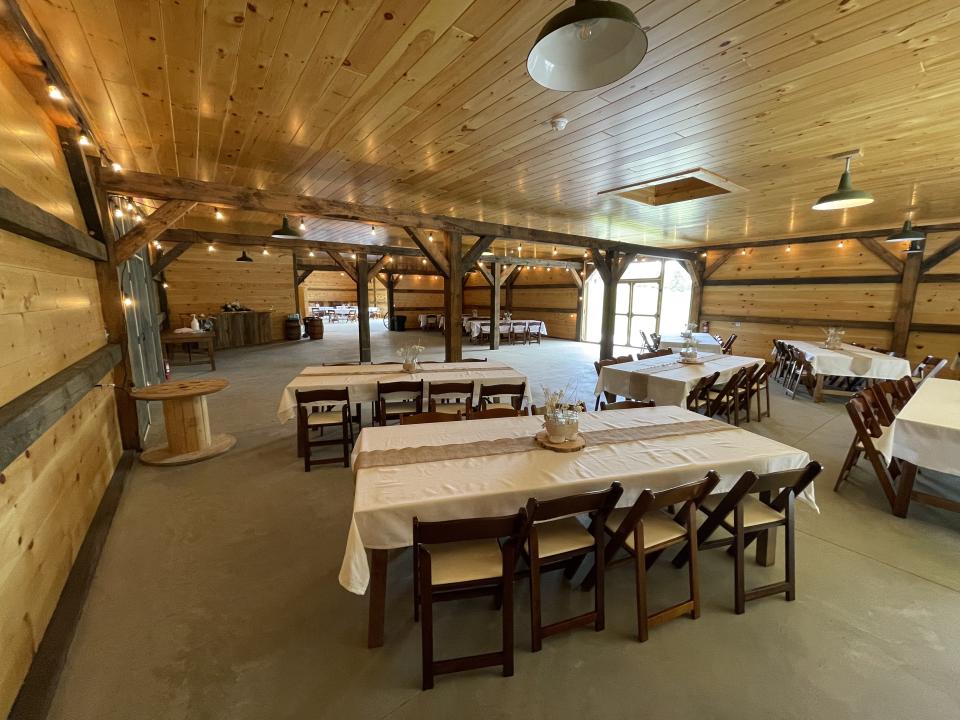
{"type": "Point", "coordinates": [390, 284]}
{"type": "Point", "coordinates": [695, 270]}
{"type": "Point", "coordinates": [581, 292]}
{"type": "Point", "coordinates": [495, 308]}
{"type": "Point", "coordinates": [906, 299]}
{"type": "Point", "coordinates": [363, 306]}
{"type": "Point", "coordinates": [453, 298]}
{"type": "Point", "coordinates": [607, 267]}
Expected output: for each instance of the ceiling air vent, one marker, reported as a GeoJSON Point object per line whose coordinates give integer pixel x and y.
{"type": "Point", "coordinates": [679, 187]}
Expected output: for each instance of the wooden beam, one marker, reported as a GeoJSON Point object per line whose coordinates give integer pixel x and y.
{"type": "Point", "coordinates": [623, 264]}
{"type": "Point", "coordinates": [530, 262]}
{"type": "Point", "coordinates": [344, 265]}
{"type": "Point", "coordinates": [879, 249]}
{"type": "Point", "coordinates": [906, 300]}
{"type": "Point", "coordinates": [495, 307]}
{"type": "Point", "coordinates": [940, 278]}
{"type": "Point", "coordinates": [240, 240]}
{"type": "Point", "coordinates": [152, 227]}
{"type": "Point", "coordinates": [479, 247]}
{"type": "Point", "coordinates": [302, 276]}
{"type": "Point", "coordinates": [942, 254]}
{"type": "Point", "coordinates": [391, 284]}
{"type": "Point", "coordinates": [600, 263]}
{"type": "Point", "coordinates": [508, 281]}
{"type": "Point", "coordinates": [316, 267]}
{"type": "Point", "coordinates": [806, 322]}
{"type": "Point", "coordinates": [486, 274]}
{"type": "Point", "coordinates": [695, 269]}
{"type": "Point", "coordinates": [378, 266]}
{"type": "Point", "coordinates": [826, 237]}
{"type": "Point", "coordinates": [363, 306]}
{"type": "Point", "coordinates": [580, 293]}
{"type": "Point", "coordinates": [509, 271]}
{"type": "Point", "coordinates": [163, 187]}
{"type": "Point", "coordinates": [26, 219]}
{"type": "Point", "coordinates": [828, 280]}
{"type": "Point", "coordinates": [432, 252]}
{"type": "Point", "coordinates": [609, 272]}
{"type": "Point", "coordinates": [575, 274]}
{"type": "Point", "coordinates": [24, 419]}
{"type": "Point", "coordinates": [82, 182]}
{"type": "Point", "coordinates": [712, 267]}
{"type": "Point", "coordinates": [168, 256]}
{"type": "Point", "coordinates": [453, 298]}
{"type": "Point", "coordinates": [935, 328]}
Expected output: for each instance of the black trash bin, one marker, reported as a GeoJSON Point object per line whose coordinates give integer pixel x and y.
{"type": "Point", "coordinates": [398, 322]}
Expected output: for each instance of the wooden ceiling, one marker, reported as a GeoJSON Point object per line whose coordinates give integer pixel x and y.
{"type": "Point", "coordinates": [426, 105]}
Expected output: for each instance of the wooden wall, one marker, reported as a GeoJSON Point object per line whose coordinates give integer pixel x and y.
{"type": "Point", "coordinates": [50, 317]}
{"type": "Point", "coordinates": [418, 294]}
{"type": "Point", "coordinates": [758, 313]}
{"type": "Point", "coordinates": [201, 282]}
{"type": "Point", "coordinates": [336, 288]}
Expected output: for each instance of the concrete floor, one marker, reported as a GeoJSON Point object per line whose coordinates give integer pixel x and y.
{"type": "Point", "coordinates": [217, 594]}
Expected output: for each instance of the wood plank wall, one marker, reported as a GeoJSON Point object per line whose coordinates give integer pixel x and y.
{"type": "Point", "coordinates": [759, 313]}
{"type": "Point", "coordinates": [336, 288]}
{"type": "Point", "coordinates": [201, 282]}
{"type": "Point", "coordinates": [50, 317]}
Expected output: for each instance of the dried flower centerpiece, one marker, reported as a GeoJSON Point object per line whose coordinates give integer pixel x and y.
{"type": "Point", "coordinates": [834, 339]}
{"type": "Point", "coordinates": [689, 351]}
{"type": "Point", "coordinates": [410, 355]}
{"type": "Point", "coordinates": [561, 421]}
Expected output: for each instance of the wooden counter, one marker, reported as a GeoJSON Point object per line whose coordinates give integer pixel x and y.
{"type": "Point", "coordinates": [248, 327]}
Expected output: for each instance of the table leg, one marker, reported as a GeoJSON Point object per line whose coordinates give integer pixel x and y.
{"type": "Point", "coordinates": [213, 362]}
{"type": "Point", "coordinates": [767, 547]}
{"type": "Point", "coordinates": [818, 389]}
{"type": "Point", "coordinates": [908, 475]}
{"type": "Point", "coordinates": [378, 597]}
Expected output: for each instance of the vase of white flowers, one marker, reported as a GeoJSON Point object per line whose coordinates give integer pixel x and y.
{"type": "Point", "coordinates": [561, 419]}
{"type": "Point", "coordinates": [834, 339]}
{"type": "Point", "coordinates": [410, 355]}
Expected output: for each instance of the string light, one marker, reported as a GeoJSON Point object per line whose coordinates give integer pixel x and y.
{"type": "Point", "coordinates": [211, 248]}
{"type": "Point", "coordinates": [157, 245]}
{"type": "Point", "coordinates": [83, 140]}
{"type": "Point", "coordinates": [424, 261]}
{"type": "Point", "coordinates": [129, 205]}
{"type": "Point", "coordinates": [265, 252]}
{"type": "Point", "coordinates": [116, 167]}
{"type": "Point", "coordinates": [743, 252]}
{"type": "Point", "coordinates": [353, 256]}
{"type": "Point", "coordinates": [138, 218]}
{"type": "Point", "coordinates": [54, 92]}
{"type": "Point", "coordinates": [165, 284]}
{"type": "Point", "coordinates": [373, 230]}
{"type": "Point", "coordinates": [389, 259]}
{"type": "Point", "coordinates": [554, 249]}
{"type": "Point", "coordinates": [303, 225]}
{"type": "Point", "coordinates": [312, 253]}
{"type": "Point", "coordinates": [217, 214]}
{"type": "Point", "coordinates": [127, 301]}
{"type": "Point", "coordinates": [118, 213]}
{"type": "Point", "coordinates": [788, 248]}
{"type": "Point", "coordinates": [840, 244]}
{"type": "Point", "coordinates": [430, 237]}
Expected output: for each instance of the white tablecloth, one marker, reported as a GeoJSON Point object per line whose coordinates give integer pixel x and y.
{"type": "Point", "coordinates": [474, 327]}
{"type": "Point", "coordinates": [386, 499]}
{"type": "Point", "coordinates": [669, 387]}
{"type": "Point", "coordinates": [852, 361]}
{"type": "Point", "coordinates": [705, 342]}
{"type": "Point", "coordinates": [361, 380]}
{"type": "Point", "coordinates": [927, 431]}
{"type": "Point", "coordinates": [422, 319]}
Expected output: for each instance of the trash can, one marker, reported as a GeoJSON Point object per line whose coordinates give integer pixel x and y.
{"type": "Point", "coordinates": [398, 322]}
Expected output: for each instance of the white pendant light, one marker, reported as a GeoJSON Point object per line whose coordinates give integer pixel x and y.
{"type": "Point", "coordinates": [846, 196]}
{"type": "Point", "coordinates": [587, 46]}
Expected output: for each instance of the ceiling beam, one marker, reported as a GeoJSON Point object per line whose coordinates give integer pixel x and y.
{"type": "Point", "coordinates": [316, 267]}
{"type": "Point", "coordinates": [712, 267]}
{"type": "Point", "coordinates": [201, 236]}
{"type": "Point", "coordinates": [479, 247]}
{"type": "Point", "coordinates": [942, 254]}
{"type": "Point", "coordinates": [883, 253]}
{"type": "Point", "coordinates": [344, 265]}
{"type": "Point", "coordinates": [168, 256]}
{"type": "Point", "coordinates": [530, 262]}
{"type": "Point", "coordinates": [826, 237]}
{"type": "Point", "coordinates": [377, 266]}
{"type": "Point", "coordinates": [431, 250]}
{"type": "Point", "coordinates": [162, 187]}
{"type": "Point", "coordinates": [485, 273]}
{"type": "Point", "coordinates": [151, 228]}
{"type": "Point", "coordinates": [302, 275]}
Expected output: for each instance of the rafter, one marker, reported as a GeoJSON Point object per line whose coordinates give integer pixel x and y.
{"type": "Point", "coordinates": [168, 256]}
{"type": "Point", "coordinates": [152, 227]}
{"type": "Point", "coordinates": [378, 265]}
{"type": "Point", "coordinates": [712, 267]}
{"type": "Point", "coordinates": [942, 254]}
{"type": "Point", "coordinates": [883, 253]}
{"type": "Point", "coordinates": [344, 265]}
{"type": "Point", "coordinates": [201, 236]}
{"type": "Point", "coordinates": [479, 247]}
{"type": "Point", "coordinates": [431, 250]}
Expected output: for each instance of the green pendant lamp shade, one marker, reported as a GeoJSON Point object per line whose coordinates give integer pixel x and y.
{"type": "Point", "coordinates": [244, 257]}
{"type": "Point", "coordinates": [846, 196]}
{"type": "Point", "coordinates": [285, 231]}
{"type": "Point", "coordinates": [907, 233]}
{"type": "Point", "coordinates": [916, 246]}
{"type": "Point", "coordinates": [587, 46]}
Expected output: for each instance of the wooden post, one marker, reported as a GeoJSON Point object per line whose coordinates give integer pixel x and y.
{"type": "Point", "coordinates": [453, 298]}
{"type": "Point", "coordinates": [495, 308]}
{"type": "Point", "coordinates": [906, 299]}
{"type": "Point", "coordinates": [695, 269]}
{"type": "Point", "coordinates": [607, 267]}
{"type": "Point", "coordinates": [581, 294]}
{"type": "Point", "coordinates": [363, 306]}
{"type": "Point", "coordinates": [511, 279]}
{"type": "Point", "coordinates": [390, 284]}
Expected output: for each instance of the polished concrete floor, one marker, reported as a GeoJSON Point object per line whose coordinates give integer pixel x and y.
{"type": "Point", "coordinates": [217, 594]}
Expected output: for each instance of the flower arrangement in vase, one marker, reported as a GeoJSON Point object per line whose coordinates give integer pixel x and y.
{"type": "Point", "coordinates": [834, 339]}
{"type": "Point", "coordinates": [561, 418]}
{"type": "Point", "coordinates": [410, 355]}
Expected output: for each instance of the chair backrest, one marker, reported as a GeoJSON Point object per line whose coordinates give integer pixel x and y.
{"type": "Point", "coordinates": [780, 486]}
{"type": "Point", "coordinates": [326, 395]}
{"type": "Point", "coordinates": [655, 337]}
{"type": "Point", "coordinates": [624, 358]}
{"type": "Point", "coordinates": [601, 502]}
{"type": "Point", "coordinates": [490, 414]}
{"type": "Point", "coordinates": [727, 346]}
{"type": "Point", "coordinates": [542, 409]}
{"type": "Point", "coordinates": [515, 391]}
{"type": "Point", "coordinates": [655, 353]}
{"type": "Point", "coordinates": [691, 495]}
{"type": "Point", "coordinates": [646, 342]}
{"type": "Point", "coordinates": [605, 362]}
{"type": "Point", "coordinates": [453, 390]}
{"type": "Point", "coordinates": [628, 404]}
{"type": "Point", "coordinates": [699, 391]}
{"type": "Point", "coordinates": [429, 417]}
{"type": "Point", "coordinates": [473, 360]}
{"type": "Point", "coordinates": [856, 344]}
{"type": "Point", "coordinates": [728, 389]}
{"type": "Point", "coordinates": [881, 406]}
{"type": "Point", "coordinates": [865, 422]}
{"type": "Point", "coordinates": [483, 528]}
{"type": "Point", "coordinates": [930, 367]}
{"type": "Point", "coordinates": [762, 373]}
{"type": "Point", "coordinates": [409, 388]}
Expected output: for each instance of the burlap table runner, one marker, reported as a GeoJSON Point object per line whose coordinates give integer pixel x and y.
{"type": "Point", "coordinates": [639, 378]}
{"type": "Point", "coordinates": [505, 446]}
{"type": "Point", "coordinates": [860, 363]}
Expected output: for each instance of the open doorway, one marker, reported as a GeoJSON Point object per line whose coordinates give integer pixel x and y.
{"type": "Point", "coordinates": [652, 296]}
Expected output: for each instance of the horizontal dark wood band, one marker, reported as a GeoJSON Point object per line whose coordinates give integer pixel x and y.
{"type": "Point", "coordinates": [26, 219]}
{"type": "Point", "coordinates": [25, 418]}
{"type": "Point", "coordinates": [940, 278]}
{"type": "Point", "coordinates": [827, 237]}
{"type": "Point", "coordinates": [935, 328]}
{"type": "Point", "coordinates": [812, 322]}
{"type": "Point", "coordinates": [517, 308]}
{"type": "Point", "coordinates": [830, 280]}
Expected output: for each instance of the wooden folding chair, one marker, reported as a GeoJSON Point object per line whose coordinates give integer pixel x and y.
{"type": "Point", "coordinates": [628, 404]}
{"type": "Point", "coordinates": [745, 517]}
{"type": "Point", "coordinates": [452, 398]}
{"type": "Point", "coordinates": [723, 400]}
{"type": "Point", "coordinates": [867, 428]}
{"type": "Point", "coordinates": [490, 396]}
{"type": "Point", "coordinates": [727, 346]}
{"type": "Point", "coordinates": [652, 354]}
{"type": "Point", "coordinates": [464, 558]}
{"type": "Point", "coordinates": [542, 409]}
{"type": "Point", "coordinates": [699, 395]}
{"type": "Point", "coordinates": [645, 531]}
{"type": "Point", "coordinates": [500, 412]}
{"type": "Point", "coordinates": [597, 365]}
{"type": "Point", "coordinates": [533, 333]}
{"type": "Point", "coordinates": [316, 409]}
{"type": "Point", "coordinates": [555, 540]}
{"type": "Point", "coordinates": [760, 384]}
{"type": "Point", "coordinates": [647, 345]}
{"type": "Point", "coordinates": [411, 400]}
{"type": "Point", "coordinates": [429, 417]}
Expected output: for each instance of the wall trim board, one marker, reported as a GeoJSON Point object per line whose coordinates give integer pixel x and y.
{"type": "Point", "coordinates": [545, 286]}
{"type": "Point", "coordinates": [398, 291]}
{"type": "Point", "coordinates": [812, 322]}
{"type": "Point", "coordinates": [940, 278]}
{"type": "Point", "coordinates": [27, 220]}
{"type": "Point", "coordinates": [38, 688]}
{"type": "Point", "coordinates": [25, 418]}
{"type": "Point", "coordinates": [935, 328]}
{"type": "Point", "coordinates": [830, 280]}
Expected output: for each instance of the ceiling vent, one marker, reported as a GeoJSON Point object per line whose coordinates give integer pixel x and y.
{"type": "Point", "coordinates": [679, 187]}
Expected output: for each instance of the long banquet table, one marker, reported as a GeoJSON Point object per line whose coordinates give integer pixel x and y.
{"type": "Point", "coordinates": [475, 327]}
{"type": "Point", "coordinates": [491, 467]}
{"type": "Point", "coordinates": [849, 361]}
{"type": "Point", "coordinates": [665, 379]}
{"type": "Point", "coordinates": [925, 433]}
{"type": "Point", "coordinates": [361, 380]}
{"type": "Point", "coordinates": [705, 342]}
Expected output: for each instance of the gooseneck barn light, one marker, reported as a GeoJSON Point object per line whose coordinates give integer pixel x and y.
{"type": "Point", "coordinates": [845, 196]}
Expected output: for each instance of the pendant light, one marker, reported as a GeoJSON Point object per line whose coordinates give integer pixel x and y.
{"type": "Point", "coordinates": [285, 231]}
{"type": "Point", "coordinates": [906, 233]}
{"type": "Point", "coordinates": [244, 257]}
{"type": "Point", "coordinates": [846, 196]}
{"type": "Point", "coordinates": [916, 246]}
{"type": "Point", "coordinates": [587, 46]}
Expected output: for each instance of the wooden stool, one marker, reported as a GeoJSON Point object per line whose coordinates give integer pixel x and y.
{"type": "Point", "coordinates": [187, 422]}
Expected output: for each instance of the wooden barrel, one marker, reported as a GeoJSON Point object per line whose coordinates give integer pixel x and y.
{"type": "Point", "coordinates": [291, 329]}
{"type": "Point", "coordinates": [314, 327]}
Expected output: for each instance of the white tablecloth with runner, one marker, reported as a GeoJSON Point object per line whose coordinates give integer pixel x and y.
{"type": "Point", "coordinates": [926, 432]}
{"type": "Point", "coordinates": [706, 342]}
{"type": "Point", "coordinates": [474, 327]}
{"type": "Point", "coordinates": [852, 361]}
{"type": "Point", "coordinates": [361, 380]}
{"type": "Point", "coordinates": [476, 481]}
{"type": "Point", "coordinates": [664, 379]}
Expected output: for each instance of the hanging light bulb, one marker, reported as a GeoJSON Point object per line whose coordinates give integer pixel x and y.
{"type": "Point", "coordinates": [312, 253]}
{"type": "Point", "coordinates": [285, 231]}
{"type": "Point", "coordinates": [54, 92]}
{"type": "Point", "coordinates": [157, 245]}
{"type": "Point", "coordinates": [211, 248]}
{"type": "Point", "coordinates": [118, 212]}
{"type": "Point", "coordinates": [424, 261]}
{"type": "Point", "coordinates": [840, 244]}
{"type": "Point", "coordinates": [389, 259]}
{"type": "Point", "coordinates": [127, 301]}
{"type": "Point", "coordinates": [430, 237]}
{"type": "Point", "coordinates": [743, 251]}
{"type": "Point", "coordinates": [373, 230]}
{"type": "Point", "coordinates": [217, 214]}
{"type": "Point", "coordinates": [788, 248]}
{"type": "Point", "coordinates": [165, 284]}
{"type": "Point", "coordinates": [265, 252]}
{"type": "Point", "coordinates": [554, 249]}
{"type": "Point", "coordinates": [83, 140]}
{"type": "Point", "coordinates": [116, 167]}
{"type": "Point", "coordinates": [353, 256]}
{"type": "Point", "coordinates": [303, 225]}
{"type": "Point", "coordinates": [138, 218]}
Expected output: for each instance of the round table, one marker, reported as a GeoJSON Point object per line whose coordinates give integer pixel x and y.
{"type": "Point", "coordinates": [187, 422]}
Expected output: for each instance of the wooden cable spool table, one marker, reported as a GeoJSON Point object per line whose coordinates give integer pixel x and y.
{"type": "Point", "coordinates": [187, 422]}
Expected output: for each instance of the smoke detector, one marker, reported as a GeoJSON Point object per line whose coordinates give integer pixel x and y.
{"type": "Point", "coordinates": [558, 123]}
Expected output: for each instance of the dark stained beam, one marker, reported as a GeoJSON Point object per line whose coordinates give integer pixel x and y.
{"type": "Point", "coordinates": [829, 280]}
{"type": "Point", "coordinates": [906, 301]}
{"type": "Point", "coordinates": [713, 266]}
{"type": "Point", "coordinates": [881, 250]}
{"type": "Point", "coordinates": [453, 297]}
{"type": "Point", "coordinates": [806, 322]}
{"type": "Point", "coordinates": [942, 254]}
{"type": "Point", "coordinates": [168, 256]}
{"type": "Point", "coordinates": [432, 251]}
{"type": "Point", "coordinates": [378, 266]}
{"type": "Point", "coordinates": [826, 237]}
{"type": "Point", "coordinates": [479, 247]}
{"type": "Point", "coordinates": [26, 219]}
{"type": "Point", "coordinates": [201, 236]}
{"type": "Point", "coordinates": [363, 306]}
{"type": "Point", "coordinates": [151, 228]}
{"type": "Point", "coordinates": [302, 276]}
{"type": "Point", "coordinates": [530, 262]}
{"type": "Point", "coordinates": [344, 265]}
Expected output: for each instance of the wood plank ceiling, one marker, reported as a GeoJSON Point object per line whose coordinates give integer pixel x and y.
{"type": "Point", "coordinates": [426, 105]}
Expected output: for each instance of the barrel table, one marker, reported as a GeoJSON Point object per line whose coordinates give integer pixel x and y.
{"type": "Point", "coordinates": [187, 422]}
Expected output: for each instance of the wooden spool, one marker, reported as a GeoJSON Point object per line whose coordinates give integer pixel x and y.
{"type": "Point", "coordinates": [574, 445]}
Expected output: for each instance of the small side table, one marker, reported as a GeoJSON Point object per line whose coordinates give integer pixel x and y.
{"type": "Point", "coordinates": [169, 339]}
{"type": "Point", "coordinates": [187, 422]}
